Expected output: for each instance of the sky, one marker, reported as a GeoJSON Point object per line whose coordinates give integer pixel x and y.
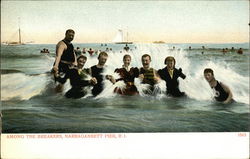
{"type": "Point", "coordinates": [145, 21]}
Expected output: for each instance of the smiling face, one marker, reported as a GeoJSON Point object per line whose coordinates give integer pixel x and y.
{"type": "Point", "coordinates": [209, 76]}
{"type": "Point", "coordinates": [69, 36]}
{"type": "Point", "coordinates": [146, 62]}
{"type": "Point", "coordinates": [127, 61]}
{"type": "Point", "coordinates": [170, 64]}
{"type": "Point", "coordinates": [81, 62]}
{"type": "Point", "coordinates": [102, 60]}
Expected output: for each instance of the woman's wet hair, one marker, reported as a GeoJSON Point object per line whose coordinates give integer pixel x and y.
{"type": "Point", "coordinates": [169, 58]}
{"type": "Point", "coordinates": [126, 56]}
{"type": "Point", "coordinates": [209, 70]}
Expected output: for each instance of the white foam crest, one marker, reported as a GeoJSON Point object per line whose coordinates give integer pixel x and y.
{"type": "Point", "coordinates": [197, 87]}
{"type": "Point", "coordinates": [22, 86]}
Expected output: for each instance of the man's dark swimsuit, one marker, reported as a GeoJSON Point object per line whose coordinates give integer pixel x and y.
{"type": "Point", "coordinates": [220, 94]}
{"type": "Point", "coordinates": [96, 72]}
{"type": "Point", "coordinates": [78, 82]}
{"type": "Point", "coordinates": [148, 79]}
{"type": "Point", "coordinates": [172, 84]}
{"type": "Point", "coordinates": [63, 68]}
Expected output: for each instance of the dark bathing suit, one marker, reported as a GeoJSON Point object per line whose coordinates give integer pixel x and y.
{"type": "Point", "coordinates": [96, 72]}
{"type": "Point", "coordinates": [172, 84]}
{"type": "Point", "coordinates": [63, 68]}
{"type": "Point", "coordinates": [78, 82]}
{"type": "Point", "coordinates": [148, 79]}
{"type": "Point", "coordinates": [220, 95]}
{"type": "Point", "coordinates": [148, 76]}
{"type": "Point", "coordinates": [128, 78]}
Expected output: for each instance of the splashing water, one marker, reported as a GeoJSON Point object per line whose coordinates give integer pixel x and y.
{"type": "Point", "coordinates": [24, 87]}
{"type": "Point", "coordinates": [21, 86]}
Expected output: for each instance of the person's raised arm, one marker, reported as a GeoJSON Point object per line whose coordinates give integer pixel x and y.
{"type": "Point", "coordinates": [183, 76]}
{"type": "Point", "coordinates": [230, 95]}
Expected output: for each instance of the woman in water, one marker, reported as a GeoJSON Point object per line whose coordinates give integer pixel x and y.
{"type": "Point", "coordinates": [127, 74]}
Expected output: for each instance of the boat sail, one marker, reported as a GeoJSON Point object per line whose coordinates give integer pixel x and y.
{"type": "Point", "coordinates": [119, 38]}
{"type": "Point", "coordinates": [19, 42]}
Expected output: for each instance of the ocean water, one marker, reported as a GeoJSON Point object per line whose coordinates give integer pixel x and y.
{"type": "Point", "coordinates": [30, 105]}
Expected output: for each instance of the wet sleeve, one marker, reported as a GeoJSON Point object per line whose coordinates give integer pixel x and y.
{"type": "Point", "coordinates": [117, 71]}
{"type": "Point", "coordinates": [160, 73]}
{"type": "Point", "coordinates": [83, 83]}
{"type": "Point", "coordinates": [180, 74]}
{"type": "Point", "coordinates": [75, 79]}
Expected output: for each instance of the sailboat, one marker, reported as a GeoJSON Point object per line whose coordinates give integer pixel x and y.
{"type": "Point", "coordinates": [119, 38]}
{"type": "Point", "coordinates": [19, 42]}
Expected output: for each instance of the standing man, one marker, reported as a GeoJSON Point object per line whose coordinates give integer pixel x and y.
{"type": "Point", "coordinates": [147, 74]}
{"type": "Point", "coordinates": [222, 92]}
{"type": "Point", "coordinates": [96, 72]}
{"type": "Point", "coordinates": [65, 58]}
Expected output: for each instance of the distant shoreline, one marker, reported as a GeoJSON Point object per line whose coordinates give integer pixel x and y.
{"type": "Point", "coordinates": [143, 43]}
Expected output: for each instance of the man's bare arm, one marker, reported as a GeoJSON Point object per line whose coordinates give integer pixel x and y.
{"type": "Point", "coordinates": [59, 51]}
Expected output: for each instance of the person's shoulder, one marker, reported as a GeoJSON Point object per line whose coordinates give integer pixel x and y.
{"type": "Point", "coordinates": [141, 69]}
{"type": "Point", "coordinates": [160, 70]}
{"type": "Point", "coordinates": [93, 67]}
{"type": "Point", "coordinates": [152, 69]}
{"type": "Point", "coordinates": [135, 68]}
{"type": "Point", "coordinates": [118, 69]}
{"type": "Point", "coordinates": [61, 43]}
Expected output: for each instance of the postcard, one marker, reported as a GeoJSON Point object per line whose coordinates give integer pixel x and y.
{"type": "Point", "coordinates": [125, 79]}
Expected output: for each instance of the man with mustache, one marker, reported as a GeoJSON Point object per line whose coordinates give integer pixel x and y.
{"type": "Point", "coordinates": [65, 58]}
{"type": "Point", "coordinates": [96, 72]}
{"type": "Point", "coordinates": [147, 74]}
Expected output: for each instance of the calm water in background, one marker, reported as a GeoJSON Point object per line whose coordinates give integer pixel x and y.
{"type": "Point", "coordinates": [30, 105]}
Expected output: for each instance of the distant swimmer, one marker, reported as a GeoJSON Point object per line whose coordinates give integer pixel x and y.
{"type": "Point", "coordinates": [170, 74]}
{"type": "Point", "coordinates": [189, 48]}
{"type": "Point", "coordinates": [221, 91]}
{"type": "Point", "coordinates": [44, 50]}
{"type": "Point", "coordinates": [84, 50]}
{"type": "Point", "coordinates": [78, 79]}
{"type": "Point", "coordinates": [96, 72]}
{"type": "Point", "coordinates": [240, 51]}
{"type": "Point", "coordinates": [78, 52]}
{"type": "Point", "coordinates": [127, 74]}
{"type": "Point", "coordinates": [126, 48]}
{"type": "Point", "coordinates": [110, 50]}
{"type": "Point", "coordinates": [65, 58]}
{"type": "Point", "coordinates": [224, 51]}
{"type": "Point", "coordinates": [91, 52]}
{"type": "Point", "coordinates": [147, 74]}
